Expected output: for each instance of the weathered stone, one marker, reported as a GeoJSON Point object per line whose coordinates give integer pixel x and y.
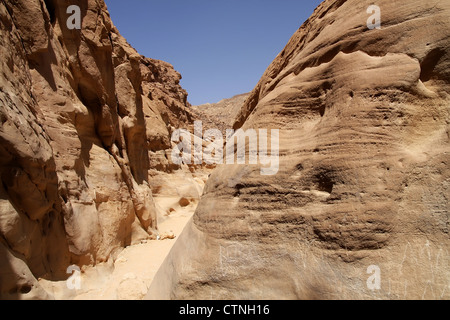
{"type": "Point", "coordinates": [364, 173]}
{"type": "Point", "coordinates": [76, 140]}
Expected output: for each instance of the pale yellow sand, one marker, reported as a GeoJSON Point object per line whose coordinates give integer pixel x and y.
{"type": "Point", "coordinates": [135, 267]}
{"type": "Point", "coordinates": [130, 274]}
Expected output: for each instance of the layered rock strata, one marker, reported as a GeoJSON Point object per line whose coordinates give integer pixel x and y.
{"type": "Point", "coordinates": [359, 208]}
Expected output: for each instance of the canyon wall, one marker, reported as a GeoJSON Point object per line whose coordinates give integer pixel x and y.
{"type": "Point", "coordinates": [84, 120]}
{"type": "Point", "coordinates": [359, 208]}
{"type": "Point", "coordinates": [220, 115]}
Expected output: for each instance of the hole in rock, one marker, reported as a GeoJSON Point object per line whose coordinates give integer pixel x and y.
{"type": "Point", "coordinates": [326, 86]}
{"type": "Point", "coordinates": [25, 289]}
{"type": "Point", "coordinates": [184, 202]}
{"type": "Point", "coordinates": [238, 187]}
{"type": "Point", "coordinates": [324, 182]}
{"type": "Point", "coordinates": [322, 111]}
{"type": "Point", "coordinates": [429, 63]}
{"type": "Point", "coordinates": [3, 118]}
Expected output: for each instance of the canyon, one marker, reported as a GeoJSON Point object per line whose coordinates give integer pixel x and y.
{"type": "Point", "coordinates": [84, 144]}
{"type": "Point", "coordinates": [364, 173]}
{"type": "Point", "coordinates": [88, 177]}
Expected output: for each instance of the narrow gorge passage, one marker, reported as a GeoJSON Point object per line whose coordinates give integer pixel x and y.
{"type": "Point", "coordinates": [128, 274]}
{"type": "Point", "coordinates": [113, 186]}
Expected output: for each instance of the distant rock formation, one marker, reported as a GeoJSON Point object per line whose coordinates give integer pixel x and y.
{"type": "Point", "coordinates": [359, 208]}
{"type": "Point", "coordinates": [220, 115]}
{"type": "Point", "coordinates": [84, 118]}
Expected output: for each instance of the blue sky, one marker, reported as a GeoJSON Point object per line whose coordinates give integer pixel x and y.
{"type": "Point", "coordinates": [221, 48]}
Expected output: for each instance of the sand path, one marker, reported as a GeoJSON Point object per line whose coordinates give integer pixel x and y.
{"type": "Point", "coordinates": [129, 276]}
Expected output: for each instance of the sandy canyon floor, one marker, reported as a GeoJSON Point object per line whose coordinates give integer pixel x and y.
{"type": "Point", "coordinates": [128, 274]}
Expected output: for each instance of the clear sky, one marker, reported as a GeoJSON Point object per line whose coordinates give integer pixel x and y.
{"type": "Point", "coordinates": [221, 48]}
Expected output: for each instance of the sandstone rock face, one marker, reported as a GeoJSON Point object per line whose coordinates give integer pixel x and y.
{"type": "Point", "coordinates": [220, 115]}
{"type": "Point", "coordinates": [83, 120]}
{"type": "Point", "coordinates": [359, 208]}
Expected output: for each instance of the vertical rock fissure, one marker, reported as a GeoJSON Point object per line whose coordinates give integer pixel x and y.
{"type": "Point", "coordinates": [138, 204]}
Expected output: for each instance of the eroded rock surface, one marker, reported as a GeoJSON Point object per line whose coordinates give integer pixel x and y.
{"type": "Point", "coordinates": [220, 115]}
{"type": "Point", "coordinates": [84, 118]}
{"type": "Point", "coordinates": [364, 172]}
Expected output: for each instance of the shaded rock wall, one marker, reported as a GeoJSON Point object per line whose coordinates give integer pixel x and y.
{"type": "Point", "coordinates": [83, 120]}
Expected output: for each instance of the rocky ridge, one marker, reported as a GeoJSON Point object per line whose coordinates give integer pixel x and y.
{"type": "Point", "coordinates": [220, 115]}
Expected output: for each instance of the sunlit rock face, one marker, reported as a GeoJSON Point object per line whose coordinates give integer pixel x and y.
{"type": "Point", "coordinates": [359, 207]}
